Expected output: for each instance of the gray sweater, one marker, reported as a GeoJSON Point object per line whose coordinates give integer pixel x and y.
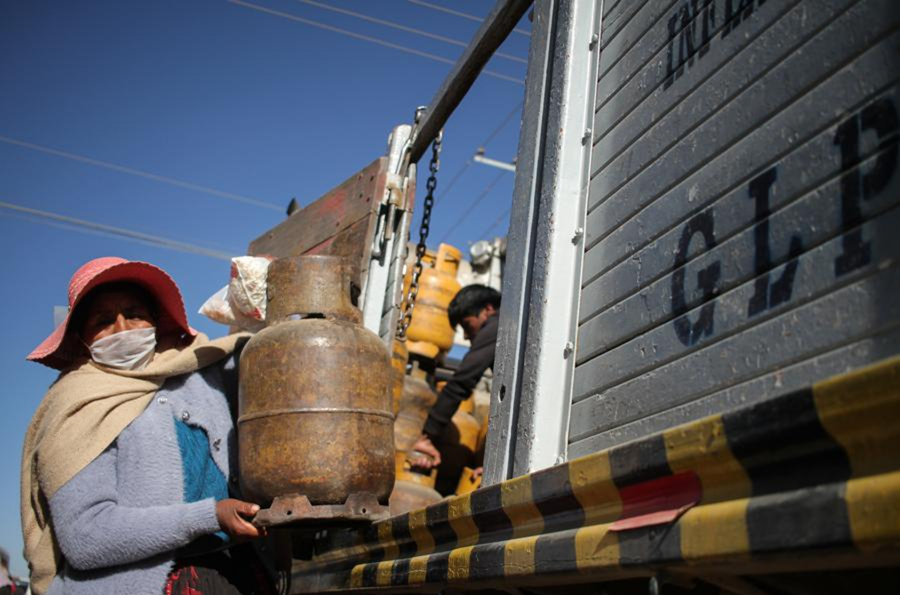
{"type": "Point", "coordinates": [120, 521]}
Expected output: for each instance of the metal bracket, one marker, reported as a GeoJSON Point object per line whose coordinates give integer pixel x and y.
{"type": "Point", "coordinates": [394, 200]}
{"type": "Point", "coordinates": [395, 189]}
{"type": "Point", "coordinates": [298, 511]}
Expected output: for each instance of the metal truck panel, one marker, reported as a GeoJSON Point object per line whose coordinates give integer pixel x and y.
{"type": "Point", "coordinates": [741, 208]}
{"type": "Point", "coordinates": [822, 325]}
{"type": "Point", "coordinates": [658, 228]}
{"type": "Point", "coordinates": [818, 213]}
{"type": "Point", "coordinates": [658, 346]}
{"type": "Point", "coordinates": [804, 373]}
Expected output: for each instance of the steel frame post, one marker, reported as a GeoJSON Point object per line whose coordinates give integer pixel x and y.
{"type": "Point", "coordinates": [541, 289]}
{"type": "Point", "coordinates": [381, 297]}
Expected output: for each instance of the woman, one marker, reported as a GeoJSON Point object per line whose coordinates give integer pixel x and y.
{"type": "Point", "coordinates": [130, 458]}
{"type": "Point", "coordinates": [7, 584]}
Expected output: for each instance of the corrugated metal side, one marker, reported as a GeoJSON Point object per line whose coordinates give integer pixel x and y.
{"type": "Point", "coordinates": [743, 235]}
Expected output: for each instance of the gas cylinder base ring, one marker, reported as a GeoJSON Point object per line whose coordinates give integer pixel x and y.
{"type": "Point", "coordinates": [298, 511]}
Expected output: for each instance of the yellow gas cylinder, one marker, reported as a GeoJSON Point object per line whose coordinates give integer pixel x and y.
{"type": "Point", "coordinates": [481, 403]}
{"type": "Point", "coordinates": [467, 481]}
{"type": "Point", "coordinates": [406, 472]}
{"type": "Point", "coordinates": [478, 459]}
{"type": "Point", "coordinates": [415, 402]}
{"type": "Point", "coordinates": [399, 358]}
{"type": "Point", "coordinates": [413, 490]}
{"type": "Point", "coordinates": [481, 400]}
{"type": "Point", "coordinates": [457, 445]}
{"type": "Point", "coordinates": [430, 332]}
{"type": "Point", "coordinates": [468, 406]}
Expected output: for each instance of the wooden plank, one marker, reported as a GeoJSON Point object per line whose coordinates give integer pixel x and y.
{"type": "Point", "coordinates": [778, 382]}
{"type": "Point", "coordinates": [681, 49]}
{"type": "Point", "coordinates": [356, 198]}
{"type": "Point", "coordinates": [351, 242]}
{"type": "Point", "coordinates": [698, 130]}
{"type": "Point", "coordinates": [738, 310]}
{"type": "Point", "coordinates": [494, 30]}
{"type": "Point", "coordinates": [806, 167]}
{"type": "Point", "coordinates": [844, 316]}
{"type": "Point", "coordinates": [733, 165]}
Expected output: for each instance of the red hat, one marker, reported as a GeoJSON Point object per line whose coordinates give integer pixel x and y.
{"type": "Point", "coordinates": [57, 353]}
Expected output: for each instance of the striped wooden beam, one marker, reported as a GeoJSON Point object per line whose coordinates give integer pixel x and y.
{"type": "Point", "coordinates": [811, 477]}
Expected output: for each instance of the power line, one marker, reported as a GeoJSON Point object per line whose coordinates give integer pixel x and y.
{"type": "Point", "coordinates": [405, 28]}
{"type": "Point", "coordinates": [502, 124]}
{"type": "Point", "coordinates": [464, 15]}
{"type": "Point", "coordinates": [374, 40]}
{"type": "Point", "coordinates": [484, 143]}
{"type": "Point", "coordinates": [496, 223]}
{"type": "Point", "coordinates": [143, 174]}
{"type": "Point", "coordinates": [484, 193]}
{"type": "Point", "coordinates": [455, 179]}
{"type": "Point", "coordinates": [119, 232]}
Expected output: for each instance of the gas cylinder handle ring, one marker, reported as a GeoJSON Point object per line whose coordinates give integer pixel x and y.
{"type": "Point", "coordinates": [296, 410]}
{"type": "Point", "coordinates": [296, 316]}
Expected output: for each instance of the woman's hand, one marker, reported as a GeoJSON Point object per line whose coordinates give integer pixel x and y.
{"type": "Point", "coordinates": [232, 515]}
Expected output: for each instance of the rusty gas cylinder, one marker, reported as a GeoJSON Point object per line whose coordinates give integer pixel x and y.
{"type": "Point", "coordinates": [399, 358]}
{"type": "Point", "coordinates": [314, 411]}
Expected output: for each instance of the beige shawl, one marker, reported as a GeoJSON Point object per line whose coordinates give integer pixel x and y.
{"type": "Point", "coordinates": [81, 415]}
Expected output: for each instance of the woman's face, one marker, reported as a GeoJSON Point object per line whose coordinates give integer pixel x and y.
{"type": "Point", "coordinates": [112, 312]}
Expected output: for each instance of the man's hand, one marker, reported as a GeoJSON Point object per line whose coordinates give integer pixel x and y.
{"type": "Point", "coordinates": [232, 515]}
{"type": "Point", "coordinates": [425, 446]}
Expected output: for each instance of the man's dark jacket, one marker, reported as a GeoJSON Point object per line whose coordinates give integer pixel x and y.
{"type": "Point", "coordinates": [479, 358]}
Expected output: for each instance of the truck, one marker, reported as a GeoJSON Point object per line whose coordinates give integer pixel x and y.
{"type": "Point", "coordinates": [697, 381]}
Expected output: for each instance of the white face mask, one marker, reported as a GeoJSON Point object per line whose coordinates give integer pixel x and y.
{"type": "Point", "coordinates": [127, 350]}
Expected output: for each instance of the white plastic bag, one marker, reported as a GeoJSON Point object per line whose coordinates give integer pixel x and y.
{"type": "Point", "coordinates": [217, 308]}
{"type": "Point", "coordinates": [247, 291]}
{"type": "Point", "coordinates": [241, 303]}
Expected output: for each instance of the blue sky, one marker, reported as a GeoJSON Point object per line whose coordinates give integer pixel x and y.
{"type": "Point", "coordinates": [230, 112]}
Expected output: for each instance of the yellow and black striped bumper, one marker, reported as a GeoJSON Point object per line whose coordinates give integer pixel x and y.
{"type": "Point", "coordinates": [806, 480]}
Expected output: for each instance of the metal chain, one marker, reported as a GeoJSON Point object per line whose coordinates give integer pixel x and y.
{"type": "Point", "coordinates": [424, 228]}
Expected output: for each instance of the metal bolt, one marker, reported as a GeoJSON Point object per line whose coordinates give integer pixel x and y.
{"type": "Point", "coordinates": [594, 39]}
{"type": "Point", "coordinates": [185, 416]}
{"type": "Point", "coordinates": [568, 349]}
{"type": "Point", "coordinates": [587, 135]}
{"type": "Point", "coordinates": [162, 400]}
{"type": "Point", "coordinates": [579, 233]}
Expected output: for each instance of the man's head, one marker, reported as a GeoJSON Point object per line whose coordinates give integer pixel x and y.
{"type": "Point", "coordinates": [471, 308]}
